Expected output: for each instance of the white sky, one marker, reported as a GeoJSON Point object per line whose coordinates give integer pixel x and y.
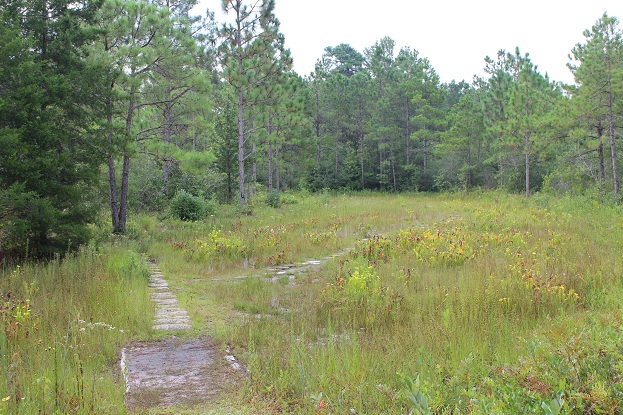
{"type": "Point", "coordinates": [454, 35]}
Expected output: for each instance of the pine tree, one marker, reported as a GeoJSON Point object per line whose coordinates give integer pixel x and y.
{"type": "Point", "coordinates": [253, 54]}
{"type": "Point", "coordinates": [141, 43]}
{"type": "Point", "coordinates": [598, 73]}
{"type": "Point", "coordinates": [48, 158]}
{"type": "Point", "coordinates": [530, 100]}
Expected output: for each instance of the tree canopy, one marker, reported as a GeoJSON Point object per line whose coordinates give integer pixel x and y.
{"type": "Point", "coordinates": [90, 88]}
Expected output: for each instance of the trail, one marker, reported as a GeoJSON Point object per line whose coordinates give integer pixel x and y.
{"type": "Point", "coordinates": [185, 371]}
{"type": "Point", "coordinates": [169, 315]}
{"type": "Point", "coordinates": [173, 371]}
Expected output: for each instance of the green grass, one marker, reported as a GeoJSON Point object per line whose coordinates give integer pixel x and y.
{"type": "Point", "coordinates": [476, 303]}
{"type": "Point", "coordinates": [61, 326]}
{"type": "Point", "coordinates": [476, 294]}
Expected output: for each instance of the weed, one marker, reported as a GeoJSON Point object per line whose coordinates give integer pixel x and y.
{"type": "Point", "coordinates": [60, 327]}
{"type": "Point", "coordinates": [500, 305]}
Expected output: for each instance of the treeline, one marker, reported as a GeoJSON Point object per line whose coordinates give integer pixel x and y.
{"type": "Point", "coordinates": [122, 104]}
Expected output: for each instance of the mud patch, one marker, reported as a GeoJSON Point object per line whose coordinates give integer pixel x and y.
{"type": "Point", "coordinates": [175, 371]}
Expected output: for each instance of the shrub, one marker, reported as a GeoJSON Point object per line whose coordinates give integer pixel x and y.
{"type": "Point", "coordinates": [190, 208]}
{"type": "Point", "coordinates": [274, 199]}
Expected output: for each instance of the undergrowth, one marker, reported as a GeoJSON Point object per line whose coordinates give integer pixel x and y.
{"type": "Point", "coordinates": [476, 303]}
{"type": "Point", "coordinates": [483, 303]}
{"type": "Point", "coordinates": [61, 326]}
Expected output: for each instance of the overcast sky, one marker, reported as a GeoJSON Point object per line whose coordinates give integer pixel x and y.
{"type": "Point", "coordinates": [454, 35]}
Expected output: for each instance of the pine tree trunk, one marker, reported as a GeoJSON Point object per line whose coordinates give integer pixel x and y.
{"type": "Point", "coordinates": [469, 164]}
{"type": "Point", "coordinates": [317, 122]}
{"type": "Point", "coordinates": [527, 139]}
{"type": "Point", "coordinates": [123, 202]}
{"type": "Point", "coordinates": [254, 173]}
{"type": "Point", "coordinates": [125, 169]}
{"type": "Point", "coordinates": [381, 170]}
{"type": "Point", "coordinates": [119, 209]}
{"type": "Point", "coordinates": [391, 149]}
{"type": "Point", "coordinates": [361, 138]}
{"type": "Point", "coordinates": [337, 159]}
{"type": "Point", "coordinates": [270, 166]}
{"type": "Point", "coordinates": [615, 170]}
{"type": "Point", "coordinates": [425, 164]}
{"type": "Point", "coordinates": [408, 134]}
{"type": "Point", "coordinates": [600, 155]}
{"type": "Point", "coordinates": [167, 134]}
{"type": "Point", "coordinates": [241, 144]}
{"type": "Point", "coordinates": [238, 39]}
{"type": "Point", "coordinates": [112, 182]}
{"type": "Point", "coordinates": [277, 170]}
{"type": "Point", "coordinates": [602, 166]}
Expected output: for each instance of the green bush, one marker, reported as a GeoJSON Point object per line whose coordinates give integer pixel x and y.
{"type": "Point", "coordinates": [289, 199]}
{"type": "Point", "coordinates": [188, 207]}
{"type": "Point", "coordinates": [274, 199]}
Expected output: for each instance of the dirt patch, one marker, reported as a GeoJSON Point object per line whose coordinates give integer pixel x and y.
{"type": "Point", "coordinates": [175, 371]}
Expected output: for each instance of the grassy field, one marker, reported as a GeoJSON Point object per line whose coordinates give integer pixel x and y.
{"type": "Point", "coordinates": [479, 303]}
{"type": "Point", "coordinates": [61, 326]}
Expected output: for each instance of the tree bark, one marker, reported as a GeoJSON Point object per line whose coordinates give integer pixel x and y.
{"type": "Point", "coordinates": [361, 138]}
{"type": "Point", "coordinates": [600, 154]}
{"type": "Point", "coordinates": [241, 143]}
{"type": "Point", "coordinates": [469, 164]}
{"type": "Point", "coordinates": [167, 134]}
{"type": "Point", "coordinates": [615, 170]}
{"type": "Point", "coordinates": [270, 166]}
{"type": "Point", "coordinates": [277, 170]}
{"type": "Point", "coordinates": [317, 123]}
{"type": "Point", "coordinates": [240, 110]}
{"type": "Point", "coordinates": [391, 155]}
{"type": "Point", "coordinates": [119, 208]}
{"type": "Point", "coordinates": [408, 133]}
{"type": "Point", "coordinates": [112, 182]}
{"type": "Point", "coordinates": [337, 158]}
{"type": "Point", "coordinates": [527, 140]}
{"type": "Point", "coordinates": [123, 203]}
{"type": "Point", "coordinates": [425, 163]}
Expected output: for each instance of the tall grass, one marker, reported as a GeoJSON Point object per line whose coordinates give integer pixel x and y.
{"type": "Point", "coordinates": [61, 325]}
{"type": "Point", "coordinates": [474, 303]}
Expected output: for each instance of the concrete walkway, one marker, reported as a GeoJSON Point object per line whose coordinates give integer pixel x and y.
{"type": "Point", "coordinates": [172, 371]}
{"type": "Point", "coordinates": [169, 315]}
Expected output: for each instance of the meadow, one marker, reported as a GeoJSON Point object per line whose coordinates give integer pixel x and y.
{"type": "Point", "coordinates": [425, 304]}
